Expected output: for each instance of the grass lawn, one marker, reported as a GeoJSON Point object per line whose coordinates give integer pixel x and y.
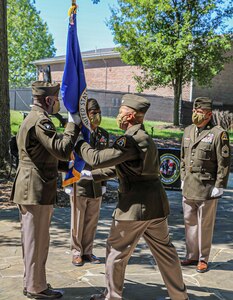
{"type": "Point", "coordinates": [158, 129]}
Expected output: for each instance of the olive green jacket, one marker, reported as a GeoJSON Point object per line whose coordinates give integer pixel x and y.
{"type": "Point", "coordinates": [40, 148]}
{"type": "Point", "coordinates": [89, 188]}
{"type": "Point", "coordinates": [134, 159]}
{"type": "Point", "coordinates": [205, 161]}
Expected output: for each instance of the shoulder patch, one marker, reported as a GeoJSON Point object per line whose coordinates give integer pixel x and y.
{"type": "Point", "coordinates": [225, 151]}
{"type": "Point", "coordinates": [224, 136]}
{"type": "Point", "coordinates": [46, 124]}
{"type": "Point", "coordinates": [121, 141]}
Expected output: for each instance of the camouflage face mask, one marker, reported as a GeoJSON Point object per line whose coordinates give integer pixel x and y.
{"type": "Point", "coordinates": [96, 119]}
{"type": "Point", "coordinates": [198, 118]}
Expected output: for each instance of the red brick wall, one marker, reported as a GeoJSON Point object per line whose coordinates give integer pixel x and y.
{"type": "Point", "coordinates": [221, 90]}
{"type": "Point", "coordinates": [113, 75]}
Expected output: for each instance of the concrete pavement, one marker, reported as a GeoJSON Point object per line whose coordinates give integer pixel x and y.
{"type": "Point", "coordinates": [143, 280]}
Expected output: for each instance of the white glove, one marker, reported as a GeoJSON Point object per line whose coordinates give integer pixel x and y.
{"type": "Point", "coordinates": [74, 118]}
{"type": "Point", "coordinates": [182, 184]}
{"type": "Point", "coordinates": [71, 164]}
{"type": "Point", "coordinates": [69, 190]}
{"type": "Point", "coordinates": [216, 192]}
{"type": "Point", "coordinates": [85, 174]}
{"type": "Point", "coordinates": [104, 188]}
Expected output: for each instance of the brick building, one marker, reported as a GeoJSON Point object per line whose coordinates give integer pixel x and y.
{"type": "Point", "coordinates": [108, 78]}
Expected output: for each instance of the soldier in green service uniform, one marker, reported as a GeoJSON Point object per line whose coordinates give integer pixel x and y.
{"type": "Point", "coordinates": [143, 205]}
{"type": "Point", "coordinates": [85, 212]}
{"type": "Point", "coordinates": [205, 165]}
{"type": "Point", "coordinates": [35, 185]}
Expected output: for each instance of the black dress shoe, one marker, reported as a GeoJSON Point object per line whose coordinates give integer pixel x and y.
{"type": "Point", "coordinates": [189, 262]}
{"type": "Point", "coordinates": [25, 289]}
{"type": "Point", "coordinates": [46, 294]}
{"type": "Point", "coordinates": [91, 258]}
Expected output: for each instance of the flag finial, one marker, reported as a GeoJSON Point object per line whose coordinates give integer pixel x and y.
{"type": "Point", "coordinates": [72, 11]}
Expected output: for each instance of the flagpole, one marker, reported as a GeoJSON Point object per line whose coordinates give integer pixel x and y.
{"type": "Point", "coordinates": [73, 3]}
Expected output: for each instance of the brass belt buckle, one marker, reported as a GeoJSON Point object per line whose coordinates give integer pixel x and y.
{"type": "Point", "coordinates": [190, 169]}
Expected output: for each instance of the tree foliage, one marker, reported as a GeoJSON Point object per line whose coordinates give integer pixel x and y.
{"type": "Point", "coordinates": [173, 40]}
{"type": "Point", "coordinates": [28, 40]}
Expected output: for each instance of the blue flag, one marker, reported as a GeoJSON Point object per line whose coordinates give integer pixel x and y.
{"type": "Point", "coordinates": [73, 91]}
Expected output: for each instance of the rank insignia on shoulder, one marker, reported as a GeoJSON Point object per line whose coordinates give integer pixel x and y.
{"type": "Point", "coordinates": [121, 141]}
{"type": "Point", "coordinates": [224, 136]}
{"type": "Point", "coordinates": [225, 151]}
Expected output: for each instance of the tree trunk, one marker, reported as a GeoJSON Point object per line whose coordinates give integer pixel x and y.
{"type": "Point", "coordinates": [4, 86]}
{"type": "Point", "coordinates": [177, 86]}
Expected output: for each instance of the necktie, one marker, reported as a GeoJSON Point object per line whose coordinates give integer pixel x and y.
{"type": "Point", "coordinates": [197, 132]}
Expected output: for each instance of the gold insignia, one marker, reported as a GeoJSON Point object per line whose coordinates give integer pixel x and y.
{"type": "Point", "coordinates": [224, 136]}
{"type": "Point", "coordinates": [121, 141]}
{"type": "Point", "coordinates": [225, 151]}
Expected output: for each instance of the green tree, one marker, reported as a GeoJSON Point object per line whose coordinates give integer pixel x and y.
{"type": "Point", "coordinates": [173, 41]}
{"type": "Point", "coordinates": [28, 40]}
{"type": "Point", "coordinates": [4, 89]}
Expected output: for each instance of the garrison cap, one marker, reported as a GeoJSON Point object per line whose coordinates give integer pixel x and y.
{"type": "Point", "coordinates": [92, 104]}
{"type": "Point", "coordinates": [42, 88]}
{"type": "Point", "coordinates": [136, 102]}
{"type": "Point", "coordinates": [202, 102]}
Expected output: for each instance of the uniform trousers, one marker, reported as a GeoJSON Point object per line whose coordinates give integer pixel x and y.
{"type": "Point", "coordinates": [35, 222]}
{"type": "Point", "coordinates": [122, 240]}
{"type": "Point", "coordinates": [199, 220]}
{"type": "Point", "coordinates": [84, 220]}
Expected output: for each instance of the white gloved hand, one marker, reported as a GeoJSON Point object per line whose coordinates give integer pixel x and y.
{"type": "Point", "coordinates": [104, 188]}
{"type": "Point", "coordinates": [69, 190]}
{"type": "Point", "coordinates": [182, 184]}
{"type": "Point", "coordinates": [74, 118]}
{"type": "Point", "coordinates": [71, 164]}
{"type": "Point", "coordinates": [216, 192]}
{"type": "Point", "coordinates": [85, 174]}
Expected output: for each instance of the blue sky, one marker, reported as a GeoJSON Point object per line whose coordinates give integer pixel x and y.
{"type": "Point", "coordinates": [92, 31]}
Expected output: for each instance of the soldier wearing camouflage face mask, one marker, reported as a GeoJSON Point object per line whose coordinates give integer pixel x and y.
{"type": "Point", "coordinates": [142, 207]}
{"type": "Point", "coordinates": [205, 166]}
{"type": "Point", "coordinates": [85, 213]}
{"type": "Point", "coordinates": [35, 186]}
